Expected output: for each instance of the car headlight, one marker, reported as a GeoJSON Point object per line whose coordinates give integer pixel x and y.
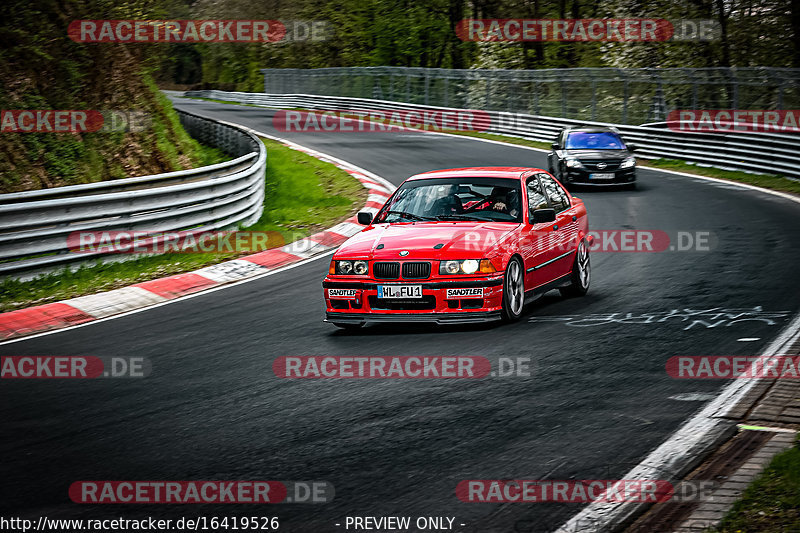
{"type": "Point", "coordinates": [628, 162]}
{"type": "Point", "coordinates": [349, 268]}
{"type": "Point", "coordinates": [465, 266]}
{"type": "Point", "coordinates": [571, 162]}
{"type": "Point", "coordinates": [470, 266]}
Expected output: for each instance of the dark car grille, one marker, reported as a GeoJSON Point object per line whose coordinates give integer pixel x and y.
{"type": "Point", "coordinates": [411, 304]}
{"type": "Point", "coordinates": [419, 270]}
{"type": "Point", "coordinates": [386, 270]}
{"type": "Point", "coordinates": [611, 164]}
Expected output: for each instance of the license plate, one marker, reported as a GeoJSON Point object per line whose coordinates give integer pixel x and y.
{"type": "Point", "coordinates": [602, 176]}
{"type": "Point", "coordinates": [473, 292]}
{"type": "Point", "coordinates": [399, 291]}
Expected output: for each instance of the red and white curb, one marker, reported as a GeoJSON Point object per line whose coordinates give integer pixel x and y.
{"type": "Point", "coordinates": [84, 309]}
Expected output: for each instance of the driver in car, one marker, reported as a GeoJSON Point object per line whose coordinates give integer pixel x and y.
{"type": "Point", "coordinates": [504, 200]}
{"type": "Point", "coordinates": [448, 203]}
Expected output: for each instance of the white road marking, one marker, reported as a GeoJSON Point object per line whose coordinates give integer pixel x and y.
{"type": "Point", "coordinates": [693, 397]}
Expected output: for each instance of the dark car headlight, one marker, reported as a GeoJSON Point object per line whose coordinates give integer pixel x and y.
{"type": "Point", "coordinates": [572, 162]}
{"type": "Point", "coordinates": [349, 268]}
{"type": "Point", "coordinates": [628, 162]}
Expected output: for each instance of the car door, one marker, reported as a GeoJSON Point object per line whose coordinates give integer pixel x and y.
{"type": "Point", "coordinates": [539, 242]}
{"type": "Point", "coordinates": [565, 228]}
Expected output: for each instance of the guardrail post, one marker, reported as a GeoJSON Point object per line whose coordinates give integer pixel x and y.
{"type": "Point", "coordinates": [487, 97]}
{"type": "Point", "coordinates": [427, 85]}
{"type": "Point", "coordinates": [625, 96]}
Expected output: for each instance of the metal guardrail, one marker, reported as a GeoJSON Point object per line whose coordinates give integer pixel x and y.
{"type": "Point", "coordinates": [768, 153]}
{"type": "Point", "coordinates": [35, 225]}
{"type": "Point", "coordinates": [618, 95]}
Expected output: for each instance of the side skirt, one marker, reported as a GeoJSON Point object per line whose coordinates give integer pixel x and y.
{"type": "Point", "coordinates": [536, 292]}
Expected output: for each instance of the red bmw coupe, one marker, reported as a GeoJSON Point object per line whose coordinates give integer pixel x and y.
{"type": "Point", "coordinates": [461, 245]}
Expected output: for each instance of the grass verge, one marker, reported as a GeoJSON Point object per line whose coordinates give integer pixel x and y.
{"type": "Point", "coordinates": [771, 504]}
{"type": "Point", "coordinates": [303, 195]}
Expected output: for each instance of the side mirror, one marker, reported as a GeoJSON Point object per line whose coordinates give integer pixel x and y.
{"type": "Point", "coordinates": [544, 215]}
{"type": "Point", "coordinates": [554, 146]}
{"type": "Point", "coordinates": [632, 147]}
{"type": "Point", "coordinates": [364, 218]}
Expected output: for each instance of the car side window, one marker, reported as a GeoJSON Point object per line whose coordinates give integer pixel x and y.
{"type": "Point", "coordinates": [536, 197]}
{"type": "Point", "coordinates": [556, 195]}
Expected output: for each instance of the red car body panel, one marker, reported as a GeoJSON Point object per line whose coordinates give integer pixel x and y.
{"type": "Point", "coordinates": [546, 249]}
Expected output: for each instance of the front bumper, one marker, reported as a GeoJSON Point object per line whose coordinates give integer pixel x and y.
{"type": "Point", "coordinates": [361, 303]}
{"type": "Point", "coordinates": [438, 318]}
{"type": "Point", "coordinates": [580, 176]}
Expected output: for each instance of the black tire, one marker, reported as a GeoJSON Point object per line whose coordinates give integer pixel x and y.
{"type": "Point", "coordinates": [348, 327]}
{"type": "Point", "coordinates": [631, 186]}
{"type": "Point", "coordinates": [581, 274]}
{"type": "Point", "coordinates": [513, 290]}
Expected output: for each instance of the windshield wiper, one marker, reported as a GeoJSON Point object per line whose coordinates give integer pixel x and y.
{"type": "Point", "coordinates": [405, 214]}
{"type": "Point", "coordinates": [462, 217]}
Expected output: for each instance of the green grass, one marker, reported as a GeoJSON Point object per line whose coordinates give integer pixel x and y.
{"type": "Point", "coordinates": [303, 195]}
{"type": "Point", "coordinates": [172, 138]}
{"type": "Point", "coordinates": [504, 138]}
{"type": "Point", "coordinates": [771, 504]}
{"type": "Point", "coordinates": [220, 101]}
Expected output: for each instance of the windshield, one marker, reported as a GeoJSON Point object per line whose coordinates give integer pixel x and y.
{"type": "Point", "coordinates": [594, 140]}
{"type": "Point", "coordinates": [488, 199]}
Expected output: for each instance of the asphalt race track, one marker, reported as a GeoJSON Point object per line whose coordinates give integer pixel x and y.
{"type": "Point", "coordinates": [597, 401]}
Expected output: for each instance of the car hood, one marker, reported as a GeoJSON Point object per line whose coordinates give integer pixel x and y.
{"type": "Point", "coordinates": [458, 240]}
{"type": "Point", "coordinates": [597, 154]}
